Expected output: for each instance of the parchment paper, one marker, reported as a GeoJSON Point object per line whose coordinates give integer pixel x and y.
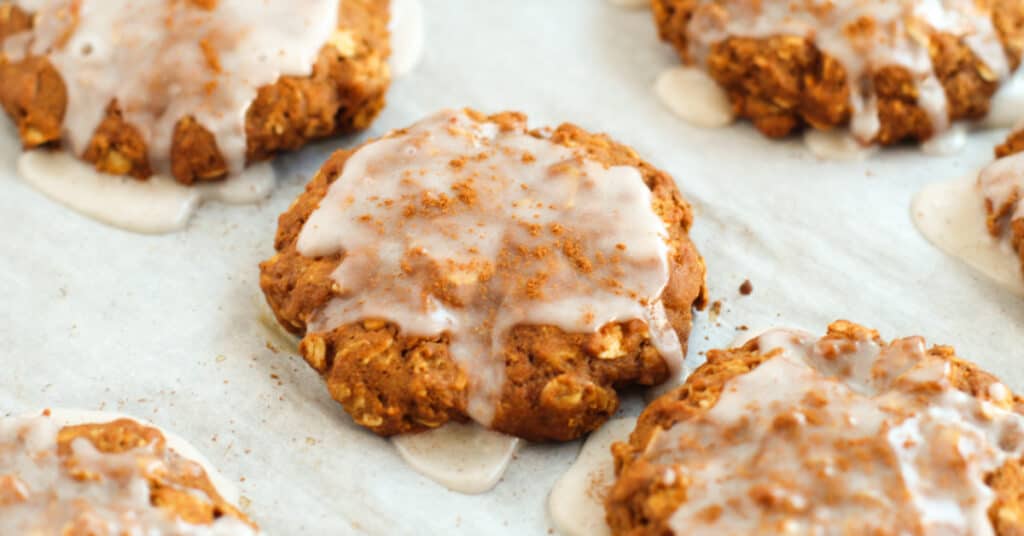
{"type": "Point", "coordinates": [173, 328]}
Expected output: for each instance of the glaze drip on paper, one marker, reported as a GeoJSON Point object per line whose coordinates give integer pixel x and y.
{"type": "Point", "coordinates": [466, 458]}
{"type": "Point", "coordinates": [153, 206]}
{"type": "Point", "coordinates": [576, 503]}
{"type": "Point", "coordinates": [973, 218]}
{"type": "Point", "coordinates": [457, 226]}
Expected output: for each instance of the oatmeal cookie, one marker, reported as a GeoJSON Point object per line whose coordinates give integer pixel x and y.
{"type": "Point", "coordinates": [795, 434]}
{"type": "Point", "coordinates": [470, 268]}
{"type": "Point", "coordinates": [104, 479]}
{"type": "Point", "coordinates": [1013, 144]}
{"type": "Point", "coordinates": [891, 72]}
{"type": "Point", "coordinates": [210, 103]}
{"type": "Point", "coordinates": [1001, 184]}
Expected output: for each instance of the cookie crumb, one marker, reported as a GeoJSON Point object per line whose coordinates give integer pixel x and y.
{"type": "Point", "coordinates": [716, 309]}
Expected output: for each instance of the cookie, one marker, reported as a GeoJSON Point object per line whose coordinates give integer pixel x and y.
{"type": "Point", "coordinates": [195, 89]}
{"type": "Point", "coordinates": [847, 433]}
{"type": "Point", "coordinates": [469, 268]}
{"type": "Point", "coordinates": [889, 72]}
{"type": "Point", "coordinates": [1001, 184]}
{"type": "Point", "coordinates": [105, 478]}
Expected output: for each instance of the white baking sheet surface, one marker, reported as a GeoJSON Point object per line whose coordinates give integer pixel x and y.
{"type": "Point", "coordinates": [173, 328]}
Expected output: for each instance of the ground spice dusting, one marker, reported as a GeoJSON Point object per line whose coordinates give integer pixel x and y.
{"type": "Point", "coordinates": [210, 53]}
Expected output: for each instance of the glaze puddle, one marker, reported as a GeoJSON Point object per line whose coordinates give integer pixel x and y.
{"type": "Point", "coordinates": [576, 502]}
{"type": "Point", "coordinates": [951, 215]}
{"type": "Point", "coordinates": [153, 206]}
{"type": "Point", "coordinates": [1007, 107]}
{"type": "Point", "coordinates": [631, 4]}
{"type": "Point", "coordinates": [466, 458]}
{"type": "Point", "coordinates": [406, 28]}
{"type": "Point", "coordinates": [836, 145]}
{"type": "Point", "coordinates": [946, 143]}
{"type": "Point", "coordinates": [693, 96]}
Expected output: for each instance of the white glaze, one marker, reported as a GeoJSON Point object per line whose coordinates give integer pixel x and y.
{"type": "Point", "coordinates": [466, 458]}
{"type": "Point", "coordinates": [576, 502]}
{"type": "Point", "coordinates": [693, 96]}
{"type": "Point", "coordinates": [836, 145]}
{"type": "Point", "coordinates": [951, 215]}
{"type": "Point", "coordinates": [406, 27]}
{"type": "Point", "coordinates": [1006, 109]}
{"type": "Point", "coordinates": [946, 143]}
{"type": "Point", "coordinates": [156, 205]}
{"type": "Point", "coordinates": [632, 4]}
{"type": "Point", "coordinates": [117, 503]}
{"type": "Point", "coordinates": [9, 147]}
{"type": "Point", "coordinates": [498, 259]}
{"type": "Point", "coordinates": [788, 431]}
{"type": "Point", "coordinates": [149, 59]}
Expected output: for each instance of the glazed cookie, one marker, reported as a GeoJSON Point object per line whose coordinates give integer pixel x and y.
{"type": "Point", "coordinates": [978, 218]}
{"type": "Point", "coordinates": [196, 89]}
{"type": "Point", "coordinates": [890, 72]}
{"type": "Point", "coordinates": [1002, 184]}
{"type": "Point", "coordinates": [792, 434]}
{"type": "Point", "coordinates": [62, 474]}
{"type": "Point", "coordinates": [468, 268]}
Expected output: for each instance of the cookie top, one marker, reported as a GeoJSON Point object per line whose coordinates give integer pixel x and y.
{"type": "Point", "coordinates": [173, 85]}
{"type": "Point", "coordinates": [102, 479]}
{"type": "Point", "coordinates": [889, 70]}
{"type": "Point", "coordinates": [464, 228]}
{"type": "Point", "coordinates": [793, 434]}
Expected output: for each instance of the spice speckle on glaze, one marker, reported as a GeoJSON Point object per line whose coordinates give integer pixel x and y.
{"type": "Point", "coordinates": [522, 231]}
{"type": "Point", "coordinates": [839, 433]}
{"type": "Point", "coordinates": [104, 478]}
{"type": "Point", "coordinates": [164, 61]}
